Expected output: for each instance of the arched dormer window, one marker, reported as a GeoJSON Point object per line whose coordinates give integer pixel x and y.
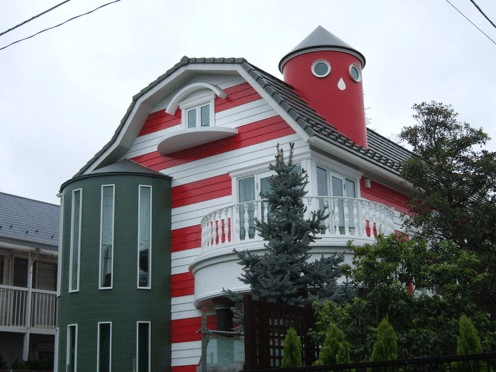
{"type": "Point", "coordinates": [197, 104]}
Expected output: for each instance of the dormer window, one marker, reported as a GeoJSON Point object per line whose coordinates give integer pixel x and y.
{"type": "Point", "coordinates": [199, 116]}
{"type": "Point", "coordinates": [198, 111]}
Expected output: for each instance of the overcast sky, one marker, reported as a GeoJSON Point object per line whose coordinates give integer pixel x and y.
{"type": "Point", "coordinates": [64, 92]}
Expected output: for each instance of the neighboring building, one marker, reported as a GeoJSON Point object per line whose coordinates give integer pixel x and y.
{"type": "Point", "coordinates": [29, 232]}
{"type": "Point", "coordinates": [150, 223]}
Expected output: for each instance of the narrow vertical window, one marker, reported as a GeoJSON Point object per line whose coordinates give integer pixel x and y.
{"type": "Point", "coordinates": [71, 357]}
{"type": "Point", "coordinates": [143, 350]}
{"type": "Point", "coordinates": [75, 246]}
{"type": "Point", "coordinates": [104, 357]}
{"type": "Point", "coordinates": [144, 237]}
{"type": "Point", "coordinates": [107, 236]}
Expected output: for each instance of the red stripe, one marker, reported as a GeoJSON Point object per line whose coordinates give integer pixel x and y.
{"type": "Point", "coordinates": [192, 368]}
{"type": "Point", "coordinates": [250, 134]}
{"type": "Point", "coordinates": [198, 191]}
{"type": "Point", "coordinates": [186, 238]}
{"type": "Point", "coordinates": [236, 96]}
{"type": "Point", "coordinates": [160, 120]}
{"type": "Point", "coordinates": [185, 330]}
{"type": "Point", "coordinates": [182, 285]}
{"type": "Point", "coordinates": [384, 195]}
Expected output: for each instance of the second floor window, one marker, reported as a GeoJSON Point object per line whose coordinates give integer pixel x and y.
{"type": "Point", "coordinates": [106, 236]}
{"type": "Point", "coordinates": [75, 246]}
{"type": "Point", "coordinates": [144, 237]}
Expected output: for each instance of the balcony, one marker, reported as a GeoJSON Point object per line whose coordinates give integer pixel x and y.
{"type": "Point", "coordinates": [349, 219]}
{"type": "Point", "coordinates": [233, 228]}
{"type": "Point", "coordinates": [21, 309]}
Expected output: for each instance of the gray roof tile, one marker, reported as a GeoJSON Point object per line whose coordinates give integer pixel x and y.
{"type": "Point", "coordinates": [28, 222]}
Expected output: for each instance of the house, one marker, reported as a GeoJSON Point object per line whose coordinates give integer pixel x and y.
{"type": "Point", "coordinates": [151, 221]}
{"type": "Point", "coordinates": [29, 234]}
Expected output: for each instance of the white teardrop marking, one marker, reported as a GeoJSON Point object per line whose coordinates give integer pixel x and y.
{"type": "Point", "coordinates": [341, 84]}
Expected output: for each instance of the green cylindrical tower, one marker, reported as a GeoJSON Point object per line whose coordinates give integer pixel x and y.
{"type": "Point", "coordinates": [114, 309]}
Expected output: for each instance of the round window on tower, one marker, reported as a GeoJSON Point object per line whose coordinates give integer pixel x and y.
{"type": "Point", "coordinates": [321, 68]}
{"type": "Point", "coordinates": [355, 73]}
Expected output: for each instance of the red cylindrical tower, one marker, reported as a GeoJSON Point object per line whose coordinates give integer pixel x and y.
{"type": "Point", "coordinates": [327, 73]}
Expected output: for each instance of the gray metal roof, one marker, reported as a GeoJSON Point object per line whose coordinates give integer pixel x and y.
{"type": "Point", "coordinates": [321, 39]}
{"type": "Point", "coordinates": [28, 222]}
{"type": "Point", "coordinates": [381, 151]}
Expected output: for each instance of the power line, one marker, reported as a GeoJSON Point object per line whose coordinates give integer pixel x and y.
{"type": "Point", "coordinates": [480, 10]}
{"type": "Point", "coordinates": [60, 24]}
{"type": "Point", "coordinates": [36, 16]}
{"type": "Point", "coordinates": [473, 24]}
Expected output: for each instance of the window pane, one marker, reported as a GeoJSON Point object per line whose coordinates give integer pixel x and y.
{"type": "Point", "coordinates": [2, 263]}
{"type": "Point", "coordinates": [75, 240]}
{"type": "Point", "coordinates": [350, 188]}
{"type": "Point", "coordinates": [205, 116]}
{"type": "Point", "coordinates": [192, 118]}
{"type": "Point", "coordinates": [144, 241]}
{"type": "Point", "coordinates": [143, 357]}
{"type": "Point", "coordinates": [104, 349]}
{"type": "Point", "coordinates": [247, 210]}
{"type": "Point", "coordinates": [71, 348]}
{"type": "Point", "coordinates": [107, 227]}
{"type": "Point", "coordinates": [322, 182]}
{"type": "Point", "coordinates": [21, 272]}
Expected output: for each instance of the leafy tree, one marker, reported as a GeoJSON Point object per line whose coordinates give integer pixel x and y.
{"type": "Point", "coordinates": [336, 349]}
{"type": "Point", "coordinates": [425, 320]}
{"type": "Point", "coordinates": [283, 273]}
{"type": "Point", "coordinates": [385, 347]}
{"type": "Point", "coordinates": [292, 350]}
{"type": "Point", "coordinates": [468, 341]}
{"type": "Point", "coordinates": [455, 189]}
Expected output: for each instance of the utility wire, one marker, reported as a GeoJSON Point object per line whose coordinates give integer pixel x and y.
{"type": "Point", "coordinates": [60, 24]}
{"type": "Point", "coordinates": [36, 16]}
{"type": "Point", "coordinates": [464, 16]}
{"type": "Point", "coordinates": [480, 10]}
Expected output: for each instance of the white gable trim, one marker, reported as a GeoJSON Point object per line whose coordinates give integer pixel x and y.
{"type": "Point", "coordinates": [142, 106]}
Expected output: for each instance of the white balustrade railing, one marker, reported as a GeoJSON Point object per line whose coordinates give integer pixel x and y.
{"type": "Point", "coordinates": [14, 303]}
{"type": "Point", "coordinates": [348, 217]}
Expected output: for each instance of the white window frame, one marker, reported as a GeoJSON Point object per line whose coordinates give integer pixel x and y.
{"type": "Point", "coordinates": [198, 101]}
{"type": "Point", "coordinates": [149, 344]}
{"type": "Point", "coordinates": [71, 249]}
{"type": "Point", "coordinates": [101, 239]}
{"type": "Point", "coordinates": [150, 239]}
{"type": "Point", "coordinates": [98, 346]}
{"type": "Point", "coordinates": [67, 353]}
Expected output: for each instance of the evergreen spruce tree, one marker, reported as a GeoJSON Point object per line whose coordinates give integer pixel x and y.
{"type": "Point", "coordinates": [283, 274]}
{"type": "Point", "coordinates": [385, 346]}
{"type": "Point", "coordinates": [292, 350]}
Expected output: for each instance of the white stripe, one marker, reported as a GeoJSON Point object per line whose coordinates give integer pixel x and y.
{"type": "Point", "coordinates": [192, 214]}
{"type": "Point", "coordinates": [180, 261]}
{"type": "Point", "coordinates": [185, 353]}
{"type": "Point", "coordinates": [183, 308]}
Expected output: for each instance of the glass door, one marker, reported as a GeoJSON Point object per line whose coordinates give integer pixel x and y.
{"type": "Point", "coordinates": [250, 205]}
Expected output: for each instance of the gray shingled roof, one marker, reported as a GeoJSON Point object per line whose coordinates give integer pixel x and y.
{"type": "Point", "coordinates": [28, 222]}
{"type": "Point", "coordinates": [321, 39]}
{"type": "Point", "coordinates": [381, 151]}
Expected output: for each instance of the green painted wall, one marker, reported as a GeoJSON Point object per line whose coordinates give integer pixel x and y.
{"type": "Point", "coordinates": [124, 304]}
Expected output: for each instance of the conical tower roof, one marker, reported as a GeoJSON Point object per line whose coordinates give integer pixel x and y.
{"type": "Point", "coordinates": [321, 39]}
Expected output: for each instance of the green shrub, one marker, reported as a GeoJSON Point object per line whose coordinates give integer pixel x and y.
{"type": "Point", "coordinates": [292, 350]}
{"type": "Point", "coordinates": [468, 341]}
{"type": "Point", "coordinates": [386, 344]}
{"type": "Point", "coordinates": [336, 348]}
